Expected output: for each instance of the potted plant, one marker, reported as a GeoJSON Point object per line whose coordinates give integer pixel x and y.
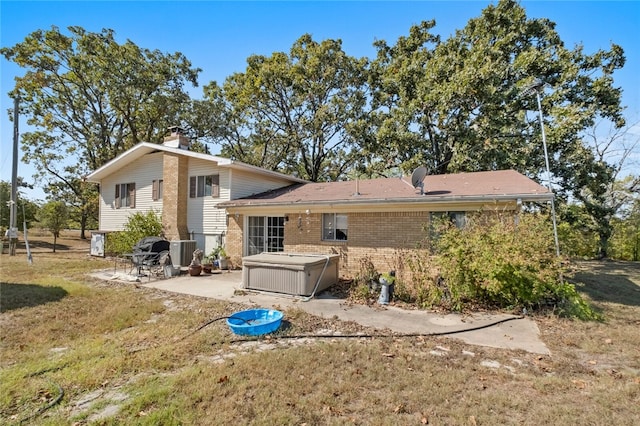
{"type": "Point", "coordinates": [195, 267]}
{"type": "Point", "coordinates": [207, 264]}
{"type": "Point", "coordinates": [223, 258]}
{"type": "Point", "coordinates": [211, 261]}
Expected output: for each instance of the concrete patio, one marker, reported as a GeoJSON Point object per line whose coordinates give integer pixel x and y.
{"type": "Point", "coordinates": [483, 329]}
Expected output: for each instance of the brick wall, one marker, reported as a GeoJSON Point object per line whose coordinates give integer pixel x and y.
{"type": "Point", "coordinates": [379, 237]}
{"type": "Point", "coordinates": [233, 239]}
{"type": "Point", "coordinates": [384, 238]}
{"type": "Point", "coordinates": [175, 196]}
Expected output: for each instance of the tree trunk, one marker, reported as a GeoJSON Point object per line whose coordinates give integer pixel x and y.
{"type": "Point", "coordinates": [83, 223]}
{"type": "Point", "coordinates": [603, 245]}
{"type": "Point", "coordinates": [636, 246]}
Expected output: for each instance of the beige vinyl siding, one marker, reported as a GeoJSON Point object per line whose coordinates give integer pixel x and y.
{"type": "Point", "coordinates": [142, 173]}
{"type": "Point", "coordinates": [245, 184]}
{"type": "Point", "coordinates": [203, 217]}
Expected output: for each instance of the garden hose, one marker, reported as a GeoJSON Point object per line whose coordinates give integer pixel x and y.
{"type": "Point", "coordinates": [371, 336]}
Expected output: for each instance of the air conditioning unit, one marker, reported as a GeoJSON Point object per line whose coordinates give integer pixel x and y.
{"type": "Point", "coordinates": [181, 252]}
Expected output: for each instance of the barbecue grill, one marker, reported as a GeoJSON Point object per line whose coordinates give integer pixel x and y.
{"type": "Point", "coordinates": [150, 254]}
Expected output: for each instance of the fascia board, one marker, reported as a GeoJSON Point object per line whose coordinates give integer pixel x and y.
{"type": "Point", "coordinates": [144, 148]}
{"type": "Point", "coordinates": [387, 205]}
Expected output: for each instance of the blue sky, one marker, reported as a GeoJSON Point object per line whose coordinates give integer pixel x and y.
{"type": "Point", "coordinates": [218, 36]}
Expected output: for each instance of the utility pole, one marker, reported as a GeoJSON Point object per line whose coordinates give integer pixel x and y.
{"type": "Point", "coordinates": [536, 87]}
{"type": "Point", "coordinates": [13, 202]}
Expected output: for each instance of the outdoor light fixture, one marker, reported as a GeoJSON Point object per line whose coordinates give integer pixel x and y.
{"type": "Point", "coordinates": [536, 87]}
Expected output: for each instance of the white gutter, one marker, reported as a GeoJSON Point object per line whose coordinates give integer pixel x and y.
{"type": "Point", "coordinates": [360, 202]}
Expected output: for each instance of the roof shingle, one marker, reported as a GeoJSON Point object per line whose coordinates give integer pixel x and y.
{"type": "Point", "coordinates": [489, 185]}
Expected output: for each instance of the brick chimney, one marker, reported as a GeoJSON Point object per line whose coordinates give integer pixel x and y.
{"type": "Point", "coordinates": [175, 176]}
{"type": "Point", "coordinates": [176, 138]}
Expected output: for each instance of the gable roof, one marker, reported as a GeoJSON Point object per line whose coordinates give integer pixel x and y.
{"type": "Point", "coordinates": [144, 148]}
{"type": "Point", "coordinates": [502, 185]}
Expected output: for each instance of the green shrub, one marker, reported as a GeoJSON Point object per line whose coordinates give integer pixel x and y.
{"type": "Point", "coordinates": [495, 262]}
{"type": "Point", "coordinates": [138, 226]}
{"type": "Point", "coordinates": [571, 304]}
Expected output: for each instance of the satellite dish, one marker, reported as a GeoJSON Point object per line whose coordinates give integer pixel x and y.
{"type": "Point", "coordinates": [417, 178]}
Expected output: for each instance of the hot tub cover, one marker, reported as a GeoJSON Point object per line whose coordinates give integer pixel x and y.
{"type": "Point", "coordinates": [300, 274]}
{"type": "Point", "coordinates": [300, 259]}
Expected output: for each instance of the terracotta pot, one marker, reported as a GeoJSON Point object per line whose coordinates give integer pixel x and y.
{"type": "Point", "coordinates": [194, 271]}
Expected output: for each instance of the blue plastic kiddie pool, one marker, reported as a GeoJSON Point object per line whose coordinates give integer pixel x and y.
{"type": "Point", "coordinates": [255, 322]}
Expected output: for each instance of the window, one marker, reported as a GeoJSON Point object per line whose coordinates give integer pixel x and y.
{"type": "Point", "coordinates": [157, 189]}
{"type": "Point", "coordinates": [125, 195]}
{"type": "Point", "coordinates": [456, 218]}
{"type": "Point", "coordinates": [334, 227]}
{"type": "Point", "coordinates": [436, 218]}
{"type": "Point", "coordinates": [204, 186]}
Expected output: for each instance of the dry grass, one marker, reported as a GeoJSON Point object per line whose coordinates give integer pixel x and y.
{"type": "Point", "coordinates": [128, 355]}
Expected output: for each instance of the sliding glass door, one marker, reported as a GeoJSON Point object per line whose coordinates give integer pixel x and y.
{"type": "Point", "coordinates": [265, 233]}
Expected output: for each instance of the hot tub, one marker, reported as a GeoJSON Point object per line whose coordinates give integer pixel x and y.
{"type": "Point", "coordinates": [290, 273]}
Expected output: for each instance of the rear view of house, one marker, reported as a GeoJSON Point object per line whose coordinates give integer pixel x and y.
{"type": "Point", "coordinates": [182, 186]}
{"type": "Point", "coordinates": [216, 201]}
{"type": "Point", "coordinates": [369, 219]}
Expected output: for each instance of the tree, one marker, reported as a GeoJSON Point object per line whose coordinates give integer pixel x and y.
{"type": "Point", "coordinates": [625, 241]}
{"type": "Point", "coordinates": [89, 99]}
{"type": "Point", "coordinates": [458, 104]}
{"type": "Point", "coordinates": [26, 211]}
{"type": "Point", "coordinates": [83, 208]}
{"type": "Point", "coordinates": [299, 113]}
{"type": "Point", "coordinates": [54, 216]}
{"type": "Point", "coordinates": [576, 232]}
{"type": "Point", "coordinates": [597, 182]}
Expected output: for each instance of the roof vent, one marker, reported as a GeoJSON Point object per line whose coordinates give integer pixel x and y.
{"type": "Point", "coordinates": [357, 193]}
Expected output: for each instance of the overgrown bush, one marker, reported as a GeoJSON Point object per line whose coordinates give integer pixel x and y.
{"type": "Point", "coordinates": [417, 281]}
{"type": "Point", "coordinates": [138, 226]}
{"type": "Point", "coordinates": [364, 281]}
{"type": "Point", "coordinates": [494, 262]}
